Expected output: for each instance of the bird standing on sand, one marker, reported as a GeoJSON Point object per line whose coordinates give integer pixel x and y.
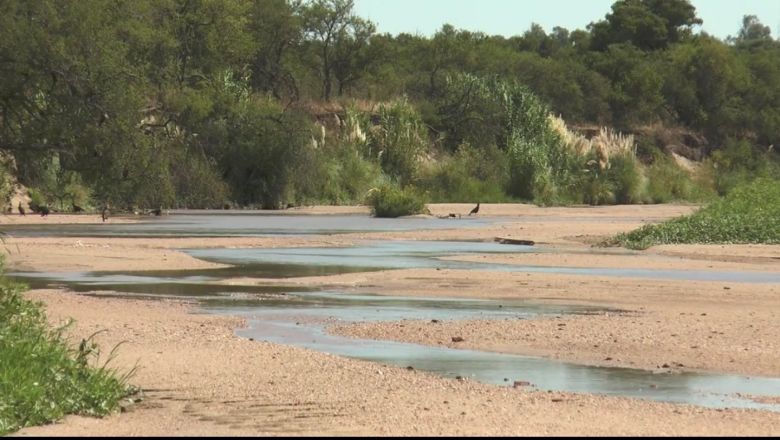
{"type": "Point", "coordinates": [104, 213]}
{"type": "Point", "coordinates": [21, 209]}
{"type": "Point", "coordinates": [475, 210]}
{"type": "Point", "coordinates": [44, 211]}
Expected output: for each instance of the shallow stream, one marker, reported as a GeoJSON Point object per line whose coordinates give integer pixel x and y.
{"type": "Point", "coordinates": [297, 316]}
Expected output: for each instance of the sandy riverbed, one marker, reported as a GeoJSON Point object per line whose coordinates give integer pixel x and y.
{"type": "Point", "coordinates": [202, 380]}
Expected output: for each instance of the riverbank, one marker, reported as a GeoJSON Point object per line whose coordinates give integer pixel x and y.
{"type": "Point", "coordinates": [211, 382]}
{"type": "Point", "coordinates": [200, 379]}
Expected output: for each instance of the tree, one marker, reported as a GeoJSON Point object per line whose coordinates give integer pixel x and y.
{"type": "Point", "coordinates": [752, 33]}
{"type": "Point", "coordinates": [330, 25]}
{"type": "Point", "coordinates": [276, 29]}
{"type": "Point", "coordinates": [353, 56]}
{"type": "Point", "coordinates": [647, 24]}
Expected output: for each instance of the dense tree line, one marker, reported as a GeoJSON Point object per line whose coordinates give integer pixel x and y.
{"type": "Point", "coordinates": [198, 103]}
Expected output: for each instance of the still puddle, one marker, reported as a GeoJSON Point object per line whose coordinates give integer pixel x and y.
{"type": "Point", "coordinates": [406, 254]}
{"type": "Point", "coordinates": [306, 328]}
{"type": "Point", "coordinates": [288, 315]}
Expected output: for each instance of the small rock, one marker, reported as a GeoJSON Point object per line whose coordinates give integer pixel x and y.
{"type": "Point", "coordinates": [434, 320]}
{"type": "Point", "coordinates": [251, 339]}
{"type": "Point", "coordinates": [457, 339]}
{"type": "Point", "coordinates": [665, 366]}
{"type": "Point", "coordinates": [410, 368]}
{"type": "Point", "coordinates": [726, 288]}
{"type": "Point", "coordinates": [703, 314]}
{"type": "Point", "coordinates": [521, 383]}
{"type": "Point", "coordinates": [607, 358]}
{"type": "Point", "coordinates": [556, 399]}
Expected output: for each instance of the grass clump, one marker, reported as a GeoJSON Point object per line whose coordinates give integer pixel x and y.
{"type": "Point", "coordinates": [391, 201]}
{"type": "Point", "coordinates": [42, 379]}
{"type": "Point", "coordinates": [750, 213]}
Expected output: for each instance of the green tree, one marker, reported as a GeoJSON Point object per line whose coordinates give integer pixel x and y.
{"type": "Point", "coordinates": [647, 24]}
{"type": "Point", "coordinates": [335, 32]}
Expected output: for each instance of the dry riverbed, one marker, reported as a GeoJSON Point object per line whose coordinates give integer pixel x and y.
{"type": "Point", "coordinates": [199, 379]}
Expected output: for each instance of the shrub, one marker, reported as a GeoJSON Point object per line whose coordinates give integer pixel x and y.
{"type": "Point", "coordinates": [627, 177]}
{"type": "Point", "coordinates": [42, 379]}
{"type": "Point", "coordinates": [391, 201]}
{"type": "Point", "coordinates": [667, 181]}
{"type": "Point", "coordinates": [748, 214]}
{"type": "Point", "coordinates": [470, 175]}
{"type": "Point", "coordinates": [491, 111]}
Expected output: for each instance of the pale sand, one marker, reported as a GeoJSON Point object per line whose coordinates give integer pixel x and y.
{"type": "Point", "coordinates": [62, 219]}
{"type": "Point", "coordinates": [219, 384]}
{"type": "Point", "coordinates": [202, 380]}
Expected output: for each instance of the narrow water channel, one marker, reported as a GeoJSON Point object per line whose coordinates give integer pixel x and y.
{"type": "Point", "coordinates": [289, 315]}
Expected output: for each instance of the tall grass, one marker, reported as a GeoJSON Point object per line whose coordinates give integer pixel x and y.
{"type": "Point", "coordinates": [400, 140]}
{"type": "Point", "coordinates": [750, 213]}
{"type": "Point", "coordinates": [41, 378]}
{"type": "Point", "coordinates": [610, 171]}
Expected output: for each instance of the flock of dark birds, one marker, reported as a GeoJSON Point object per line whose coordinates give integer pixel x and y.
{"type": "Point", "coordinates": [104, 213]}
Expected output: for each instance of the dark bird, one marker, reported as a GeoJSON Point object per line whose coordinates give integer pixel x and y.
{"type": "Point", "coordinates": [21, 209]}
{"type": "Point", "coordinates": [475, 210]}
{"type": "Point", "coordinates": [44, 210]}
{"type": "Point", "coordinates": [104, 213]}
{"type": "Point", "coordinates": [77, 208]}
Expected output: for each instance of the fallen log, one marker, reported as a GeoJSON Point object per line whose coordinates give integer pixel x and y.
{"type": "Point", "coordinates": [514, 241]}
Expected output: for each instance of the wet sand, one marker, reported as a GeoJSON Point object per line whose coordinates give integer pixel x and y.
{"type": "Point", "coordinates": [202, 380]}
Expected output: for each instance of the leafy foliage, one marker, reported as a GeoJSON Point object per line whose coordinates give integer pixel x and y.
{"type": "Point", "coordinates": [748, 214]}
{"type": "Point", "coordinates": [391, 201]}
{"type": "Point", "coordinates": [198, 103]}
{"type": "Point", "coordinates": [42, 378]}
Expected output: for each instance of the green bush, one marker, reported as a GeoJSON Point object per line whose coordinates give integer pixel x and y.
{"type": "Point", "coordinates": [470, 175]}
{"type": "Point", "coordinates": [390, 201]}
{"type": "Point", "coordinates": [41, 378]}
{"type": "Point", "coordinates": [490, 111]}
{"type": "Point", "coordinates": [748, 214]}
{"type": "Point", "coordinates": [666, 181]}
{"type": "Point", "coordinates": [338, 177]}
{"type": "Point", "coordinates": [37, 199]}
{"type": "Point", "coordinates": [738, 162]}
{"type": "Point", "coordinates": [628, 180]}
{"type": "Point", "coordinates": [595, 187]}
